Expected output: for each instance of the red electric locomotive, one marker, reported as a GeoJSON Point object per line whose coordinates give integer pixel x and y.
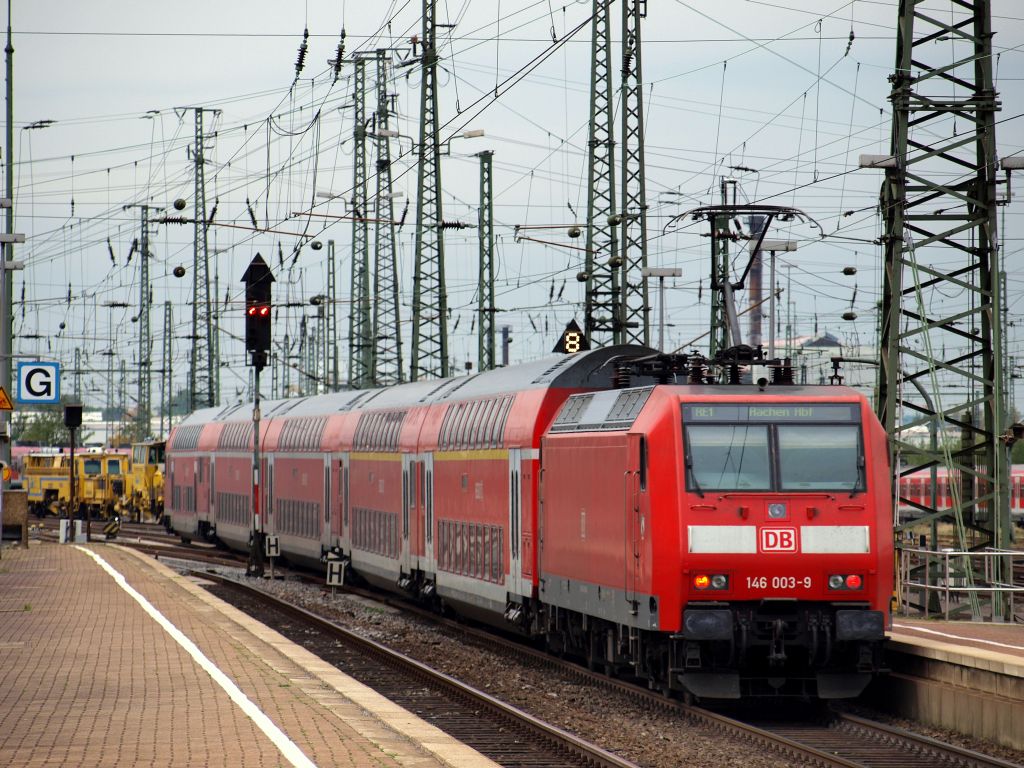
{"type": "Point", "coordinates": [722, 540]}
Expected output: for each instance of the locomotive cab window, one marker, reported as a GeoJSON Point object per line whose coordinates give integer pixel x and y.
{"type": "Point", "coordinates": [778, 447]}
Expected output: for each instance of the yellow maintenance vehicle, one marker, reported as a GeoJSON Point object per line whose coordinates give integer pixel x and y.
{"type": "Point", "coordinates": [47, 479]}
{"type": "Point", "coordinates": [100, 481]}
{"type": "Point", "coordinates": [144, 490]}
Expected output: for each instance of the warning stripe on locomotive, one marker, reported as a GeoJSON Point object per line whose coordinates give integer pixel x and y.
{"type": "Point", "coordinates": [752, 539]}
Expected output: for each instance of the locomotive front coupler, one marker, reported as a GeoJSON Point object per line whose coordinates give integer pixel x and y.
{"type": "Point", "coordinates": [777, 649]}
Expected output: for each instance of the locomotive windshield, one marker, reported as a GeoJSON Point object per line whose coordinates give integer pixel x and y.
{"type": "Point", "coordinates": [782, 447]}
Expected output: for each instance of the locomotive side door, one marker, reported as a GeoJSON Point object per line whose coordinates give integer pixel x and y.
{"type": "Point", "coordinates": [634, 510]}
{"type": "Point", "coordinates": [516, 584]}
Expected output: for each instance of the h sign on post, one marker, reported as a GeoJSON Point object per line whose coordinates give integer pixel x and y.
{"type": "Point", "coordinates": [38, 383]}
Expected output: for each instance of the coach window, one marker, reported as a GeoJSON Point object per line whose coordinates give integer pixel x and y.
{"type": "Point", "coordinates": [469, 433]}
{"type": "Point", "coordinates": [461, 417]}
{"type": "Point", "coordinates": [457, 421]}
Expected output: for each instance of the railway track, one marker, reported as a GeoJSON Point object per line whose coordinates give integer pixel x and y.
{"type": "Point", "coordinates": [840, 739]}
{"type": "Point", "coordinates": [503, 733]}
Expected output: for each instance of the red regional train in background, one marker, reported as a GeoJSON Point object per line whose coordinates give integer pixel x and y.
{"type": "Point", "coordinates": [916, 492]}
{"type": "Point", "coordinates": [717, 540]}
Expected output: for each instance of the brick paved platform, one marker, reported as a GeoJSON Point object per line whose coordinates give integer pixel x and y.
{"type": "Point", "coordinates": [89, 678]}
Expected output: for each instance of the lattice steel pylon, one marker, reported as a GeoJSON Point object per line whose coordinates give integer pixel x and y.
{"type": "Point", "coordinates": [941, 302]}
{"type": "Point", "coordinates": [203, 379]}
{"type": "Point", "coordinates": [360, 348]}
{"type": "Point", "coordinates": [633, 326]}
{"type": "Point", "coordinates": [166, 374]}
{"type": "Point", "coordinates": [485, 279]}
{"type": "Point", "coordinates": [143, 414]}
{"type": "Point", "coordinates": [602, 295]}
{"type": "Point", "coordinates": [429, 295]}
{"type": "Point", "coordinates": [331, 344]}
{"type": "Point", "coordinates": [387, 328]}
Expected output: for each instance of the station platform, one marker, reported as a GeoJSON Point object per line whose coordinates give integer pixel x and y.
{"type": "Point", "coordinates": [108, 657]}
{"type": "Point", "coordinates": [964, 676]}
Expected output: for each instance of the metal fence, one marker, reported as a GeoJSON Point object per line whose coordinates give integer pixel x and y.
{"type": "Point", "coordinates": [953, 584]}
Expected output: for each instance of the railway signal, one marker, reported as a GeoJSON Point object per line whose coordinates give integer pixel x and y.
{"type": "Point", "coordinates": [257, 279]}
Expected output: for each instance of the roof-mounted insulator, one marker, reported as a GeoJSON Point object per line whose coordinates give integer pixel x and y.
{"type": "Point", "coordinates": [621, 376]}
{"type": "Point", "coordinates": [836, 379]}
{"type": "Point", "coordinates": [783, 373]}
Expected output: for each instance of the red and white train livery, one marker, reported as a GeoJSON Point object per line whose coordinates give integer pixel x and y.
{"type": "Point", "coordinates": [722, 540]}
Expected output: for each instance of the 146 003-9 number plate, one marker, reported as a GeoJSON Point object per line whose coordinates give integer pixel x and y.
{"type": "Point", "coordinates": [778, 582]}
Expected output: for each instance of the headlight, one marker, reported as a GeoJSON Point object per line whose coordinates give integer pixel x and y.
{"type": "Point", "coordinates": [852, 581]}
{"type": "Point", "coordinates": [704, 581]}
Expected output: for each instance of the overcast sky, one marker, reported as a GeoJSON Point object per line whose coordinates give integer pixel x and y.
{"type": "Point", "coordinates": [774, 94]}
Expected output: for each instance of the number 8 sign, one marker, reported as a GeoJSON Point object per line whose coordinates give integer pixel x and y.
{"type": "Point", "coordinates": [572, 340]}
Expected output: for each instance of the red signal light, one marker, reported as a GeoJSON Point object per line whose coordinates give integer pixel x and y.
{"type": "Point", "coordinates": [853, 581]}
{"type": "Point", "coordinates": [702, 581]}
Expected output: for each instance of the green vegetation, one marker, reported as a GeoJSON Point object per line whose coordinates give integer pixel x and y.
{"type": "Point", "coordinates": [44, 427]}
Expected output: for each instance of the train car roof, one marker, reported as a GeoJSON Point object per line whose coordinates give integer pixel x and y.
{"type": "Point", "coordinates": [583, 370]}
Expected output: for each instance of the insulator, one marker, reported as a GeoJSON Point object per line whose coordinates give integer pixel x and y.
{"type": "Point", "coordinates": [453, 225]}
{"type": "Point", "coordinates": [300, 62]}
{"type": "Point", "coordinates": [252, 216]}
{"type": "Point", "coordinates": [110, 250]}
{"type": "Point", "coordinates": [620, 377]}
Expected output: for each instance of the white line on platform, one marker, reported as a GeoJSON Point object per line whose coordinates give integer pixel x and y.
{"type": "Point", "coordinates": [287, 747]}
{"type": "Point", "coordinates": [913, 628]}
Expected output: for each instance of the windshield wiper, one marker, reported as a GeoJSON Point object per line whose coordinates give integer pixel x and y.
{"type": "Point", "coordinates": [693, 477]}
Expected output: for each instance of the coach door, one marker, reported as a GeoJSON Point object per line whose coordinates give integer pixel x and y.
{"type": "Point", "coordinates": [327, 521]}
{"type": "Point", "coordinates": [212, 502]}
{"type": "Point", "coordinates": [427, 511]}
{"type": "Point", "coordinates": [268, 523]}
{"type": "Point", "coordinates": [409, 496]}
{"type": "Point", "coordinates": [517, 584]}
{"type": "Point", "coordinates": [341, 522]}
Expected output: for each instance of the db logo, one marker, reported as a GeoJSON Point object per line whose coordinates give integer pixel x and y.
{"type": "Point", "coordinates": [778, 539]}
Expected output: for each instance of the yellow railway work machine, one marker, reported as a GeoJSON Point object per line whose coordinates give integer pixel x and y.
{"type": "Point", "coordinates": [144, 499]}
